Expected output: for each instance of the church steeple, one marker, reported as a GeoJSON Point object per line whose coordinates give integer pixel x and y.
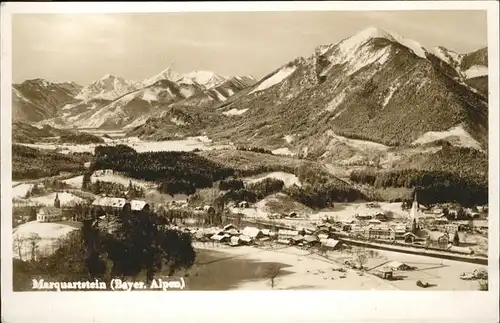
{"type": "Point", "coordinates": [57, 202]}
{"type": "Point", "coordinates": [414, 208]}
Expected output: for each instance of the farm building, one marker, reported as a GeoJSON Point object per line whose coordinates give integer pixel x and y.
{"type": "Point", "coordinates": [396, 265]}
{"type": "Point", "coordinates": [409, 237]}
{"type": "Point", "coordinates": [244, 239]}
{"type": "Point", "coordinates": [287, 234]}
{"type": "Point", "coordinates": [252, 232]}
{"type": "Point", "coordinates": [322, 236]}
{"type": "Point", "coordinates": [331, 243]}
{"type": "Point", "coordinates": [284, 241]}
{"type": "Point", "coordinates": [235, 241]}
{"type": "Point", "coordinates": [232, 232]}
{"type": "Point", "coordinates": [221, 237]}
{"type": "Point", "coordinates": [364, 217]}
{"type": "Point", "coordinates": [228, 227]}
{"type": "Point", "coordinates": [311, 240]}
{"type": "Point", "coordinates": [298, 239]}
{"type": "Point", "coordinates": [243, 205]}
{"type": "Point", "coordinates": [438, 238]}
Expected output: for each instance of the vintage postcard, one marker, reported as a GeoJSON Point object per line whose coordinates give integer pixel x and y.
{"type": "Point", "coordinates": [164, 149]}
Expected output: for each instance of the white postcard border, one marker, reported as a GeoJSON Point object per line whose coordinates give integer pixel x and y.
{"type": "Point", "coordinates": [356, 306]}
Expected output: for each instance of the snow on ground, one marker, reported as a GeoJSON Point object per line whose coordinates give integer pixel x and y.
{"type": "Point", "coordinates": [287, 178]}
{"type": "Point", "coordinates": [220, 96]}
{"type": "Point", "coordinates": [463, 138]}
{"type": "Point", "coordinates": [476, 71]}
{"type": "Point", "coordinates": [310, 271]}
{"type": "Point", "coordinates": [355, 143]}
{"type": "Point", "coordinates": [48, 233]}
{"type": "Point", "coordinates": [20, 190]}
{"type": "Point", "coordinates": [150, 94]}
{"type": "Point", "coordinates": [138, 122]}
{"type": "Point", "coordinates": [305, 271]}
{"type": "Point", "coordinates": [119, 179]}
{"type": "Point", "coordinates": [392, 89]}
{"type": "Point", "coordinates": [334, 103]}
{"type": "Point", "coordinates": [64, 148]}
{"type": "Point", "coordinates": [64, 197]}
{"type": "Point", "coordinates": [278, 77]}
{"type": "Point", "coordinates": [447, 56]}
{"type": "Point", "coordinates": [234, 112]}
{"type": "Point", "coordinates": [174, 145]}
{"type": "Point", "coordinates": [283, 151]}
{"type": "Point", "coordinates": [412, 45]}
{"type": "Point", "coordinates": [367, 56]}
{"type": "Point", "coordinates": [75, 181]}
{"type": "Point", "coordinates": [189, 144]}
{"type": "Point", "coordinates": [177, 121]}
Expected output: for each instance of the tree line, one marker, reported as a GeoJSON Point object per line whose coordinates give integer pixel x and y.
{"type": "Point", "coordinates": [30, 163]}
{"type": "Point", "coordinates": [175, 172]}
{"type": "Point", "coordinates": [432, 186]}
{"type": "Point", "coordinates": [112, 189]}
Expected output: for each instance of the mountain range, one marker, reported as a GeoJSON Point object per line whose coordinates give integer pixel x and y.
{"type": "Point", "coordinates": [113, 102]}
{"type": "Point", "coordinates": [370, 92]}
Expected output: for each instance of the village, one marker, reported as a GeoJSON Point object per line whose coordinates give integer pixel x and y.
{"type": "Point", "coordinates": [434, 233]}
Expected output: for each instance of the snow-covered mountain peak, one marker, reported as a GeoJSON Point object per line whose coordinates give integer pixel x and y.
{"type": "Point", "coordinates": [207, 79]}
{"type": "Point", "coordinates": [357, 40]}
{"type": "Point", "coordinates": [107, 87]}
{"type": "Point", "coordinates": [166, 74]}
{"type": "Point", "coordinates": [363, 36]}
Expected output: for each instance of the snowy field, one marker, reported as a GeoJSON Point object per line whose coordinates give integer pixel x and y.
{"type": "Point", "coordinates": [287, 178]}
{"type": "Point", "coordinates": [48, 233]}
{"type": "Point", "coordinates": [234, 112]}
{"type": "Point", "coordinates": [341, 212]}
{"type": "Point", "coordinates": [76, 182]}
{"type": "Point", "coordinates": [309, 271]}
{"type": "Point", "coordinates": [66, 199]}
{"type": "Point", "coordinates": [278, 77]}
{"type": "Point", "coordinates": [19, 191]}
{"type": "Point", "coordinates": [283, 152]}
{"type": "Point", "coordinates": [476, 71]}
{"type": "Point", "coordinates": [463, 138]}
{"type": "Point", "coordinates": [189, 144]}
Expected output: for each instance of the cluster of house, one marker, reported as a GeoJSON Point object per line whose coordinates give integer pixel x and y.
{"type": "Point", "coordinates": [232, 236]}
{"type": "Point", "coordinates": [100, 205]}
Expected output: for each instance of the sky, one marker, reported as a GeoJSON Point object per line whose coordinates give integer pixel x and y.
{"type": "Point", "coordinates": [84, 47]}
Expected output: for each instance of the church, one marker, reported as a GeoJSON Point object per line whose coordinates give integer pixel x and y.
{"type": "Point", "coordinates": [50, 213]}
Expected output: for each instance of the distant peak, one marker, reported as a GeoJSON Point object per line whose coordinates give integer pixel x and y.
{"type": "Point", "coordinates": [107, 76]}
{"type": "Point", "coordinates": [373, 32]}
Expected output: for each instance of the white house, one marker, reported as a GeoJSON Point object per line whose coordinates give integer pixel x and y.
{"type": "Point", "coordinates": [49, 214]}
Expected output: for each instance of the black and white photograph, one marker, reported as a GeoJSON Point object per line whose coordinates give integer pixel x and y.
{"type": "Point", "coordinates": [274, 151]}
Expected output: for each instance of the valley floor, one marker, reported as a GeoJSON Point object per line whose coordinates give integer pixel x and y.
{"type": "Point", "coordinates": [303, 270]}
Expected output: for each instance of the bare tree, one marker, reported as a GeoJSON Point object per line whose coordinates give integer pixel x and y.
{"type": "Point", "coordinates": [33, 240]}
{"type": "Point", "coordinates": [361, 259]}
{"type": "Point", "coordinates": [272, 273]}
